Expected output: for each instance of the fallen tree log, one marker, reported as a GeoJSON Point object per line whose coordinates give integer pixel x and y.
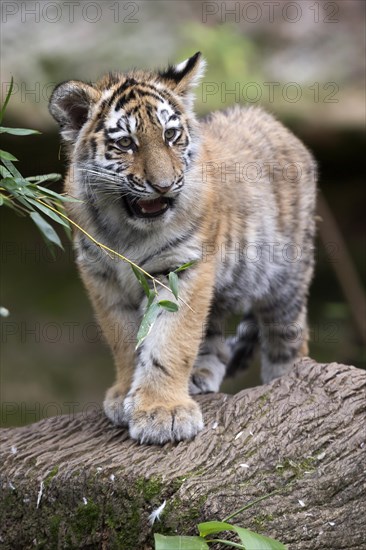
{"type": "Point", "coordinates": [78, 482]}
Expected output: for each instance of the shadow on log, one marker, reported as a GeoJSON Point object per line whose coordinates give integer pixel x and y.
{"type": "Point", "coordinates": [78, 482]}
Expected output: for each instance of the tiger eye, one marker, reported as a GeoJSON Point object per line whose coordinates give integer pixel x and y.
{"type": "Point", "coordinates": [125, 142]}
{"type": "Point", "coordinates": [170, 133]}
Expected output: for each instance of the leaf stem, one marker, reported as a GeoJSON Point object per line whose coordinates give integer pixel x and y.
{"type": "Point", "coordinates": [264, 497]}
{"type": "Point", "coordinates": [11, 199]}
{"type": "Point", "coordinates": [111, 251]}
{"type": "Point", "coordinates": [227, 543]}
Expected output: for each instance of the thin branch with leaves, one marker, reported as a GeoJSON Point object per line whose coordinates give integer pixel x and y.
{"type": "Point", "coordinates": [28, 197]}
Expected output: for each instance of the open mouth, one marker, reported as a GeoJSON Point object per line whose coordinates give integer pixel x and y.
{"type": "Point", "coordinates": [148, 208]}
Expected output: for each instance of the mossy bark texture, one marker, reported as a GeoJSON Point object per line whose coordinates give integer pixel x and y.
{"type": "Point", "coordinates": [78, 482]}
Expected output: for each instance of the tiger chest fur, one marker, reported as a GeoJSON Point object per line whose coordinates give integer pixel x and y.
{"type": "Point", "coordinates": [235, 194]}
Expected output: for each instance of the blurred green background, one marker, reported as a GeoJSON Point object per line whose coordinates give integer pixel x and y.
{"type": "Point", "coordinates": [303, 61]}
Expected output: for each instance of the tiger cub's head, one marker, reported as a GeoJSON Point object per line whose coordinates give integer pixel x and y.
{"type": "Point", "coordinates": [131, 138]}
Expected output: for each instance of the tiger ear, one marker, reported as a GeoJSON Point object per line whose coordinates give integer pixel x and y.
{"type": "Point", "coordinates": [183, 77]}
{"type": "Point", "coordinates": [70, 105]}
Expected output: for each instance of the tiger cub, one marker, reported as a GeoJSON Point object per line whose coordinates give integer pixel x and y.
{"type": "Point", "coordinates": [234, 193]}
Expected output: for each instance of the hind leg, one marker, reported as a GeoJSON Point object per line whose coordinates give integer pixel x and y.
{"type": "Point", "coordinates": [243, 344]}
{"type": "Point", "coordinates": [210, 365]}
{"type": "Point", "coordinates": [283, 333]}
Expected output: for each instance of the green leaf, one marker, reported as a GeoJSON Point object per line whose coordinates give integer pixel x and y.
{"type": "Point", "coordinates": [9, 183]}
{"type": "Point", "coordinates": [7, 99]}
{"type": "Point", "coordinates": [49, 212]}
{"type": "Point", "coordinates": [46, 229]}
{"type": "Point", "coordinates": [147, 322]}
{"type": "Point", "coordinates": [12, 182]}
{"type": "Point", "coordinates": [179, 543]}
{"type": "Point", "coordinates": [16, 188]}
{"type": "Point", "coordinates": [141, 279]}
{"type": "Point", "coordinates": [7, 156]}
{"type": "Point", "coordinates": [56, 195]}
{"type": "Point", "coordinates": [210, 527]}
{"type": "Point", "coordinates": [1, 200]}
{"type": "Point", "coordinates": [19, 185]}
{"type": "Point", "coordinates": [185, 266]}
{"type": "Point", "coordinates": [251, 540]}
{"type": "Point", "coordinates": [14, 171]}
{"type": "Point", "coordinates": [173, 283]}
{"type": "Point", "coordinates": [151, 298]}
{"type": "Point", "coordinates": [4, 173]}
{"type": "Point", "coordinates": [24, 202]}
{"type": "Point", "coordinates": [12, 204]}
{"type": "Point", "coordinates": [45, 177]}
{"type": "Point", "coordinates": [18, 131]}
{"type": "Point", "coordinates": [254, 541]}
{"type": "Point", "coordinates": [169, 306]}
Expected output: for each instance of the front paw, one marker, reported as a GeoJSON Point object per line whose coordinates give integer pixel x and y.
{"type": "Point", "coordinates": [157, 423]}
{"type": "Point", "coordinates": [113, 405]}
{"type": "Point", "coordinates": [207, 375]}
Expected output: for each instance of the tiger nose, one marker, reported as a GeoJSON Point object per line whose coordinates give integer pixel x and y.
{"type": "Point", "coordinates": [161, 188]}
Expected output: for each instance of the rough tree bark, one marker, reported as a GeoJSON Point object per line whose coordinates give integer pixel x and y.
{"type": "Point", "coordinates": [78, 482]}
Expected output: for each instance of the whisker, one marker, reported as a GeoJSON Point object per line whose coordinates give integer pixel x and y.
{"type": "Point", "coordinates": [107, 186]}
